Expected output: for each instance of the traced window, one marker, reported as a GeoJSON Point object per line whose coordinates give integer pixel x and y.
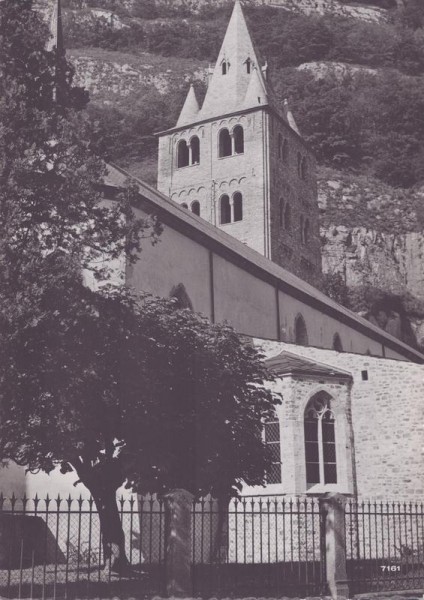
{"type": "Point", "coordinates": [238, 134]}
{"type": "Point", "coordinates": [300, 331]}
{"type": "Point", "coordinates": [320, 441]}
{"type": "Point", "coordinates": [224, 210]}
{"type": "Point", "coordinates": [183, 154]}
{"type": "Point", "coordinates": [195, 208]}
{"type": "Point", "coordinates": [337, 343]}
{"type": "Point", "coordinates": [273, 442]}
{"type": "Point", "coordinates": [225, 148]}
{"type": "Point", "coordinates": [195, 150]}
{"type": "Point", "coordinates": [238, 206]}
{"type": "Point", "coordinates": [287, 217]}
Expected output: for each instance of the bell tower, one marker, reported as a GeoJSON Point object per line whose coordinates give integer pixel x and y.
{"type": "Point", "coordinates": [240, 163]}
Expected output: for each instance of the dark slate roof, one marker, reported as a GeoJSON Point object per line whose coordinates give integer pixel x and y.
{"type": "Point", "coordinates": [186, 222]}
{"type": "Point", "coordinates": [287, 363]}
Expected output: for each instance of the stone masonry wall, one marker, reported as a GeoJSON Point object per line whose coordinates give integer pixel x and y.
{"type": "Point", "coordinates": [387, 399]}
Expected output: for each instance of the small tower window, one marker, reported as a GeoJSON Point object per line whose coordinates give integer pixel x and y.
{"type": "Point", "coordinates": [184, 205]}
{"type": "Point", "coordinates": [183, 154]}
{"type": "Point", "coordinates": [238, 134]}
{"type": "Point", "coordinates": [225, 67]}
{"type": "Point", "coordinates": [195, 150]}
{"type": "Point", "coordinates": [300, 332]}
{"type": "Point", "coordinates": [225, 148]}
{"type": "Point", "coordinates": [225, 210]}
{"type": "Point", "coordinates": [238, 206]}
{"type": "Point", "coordinates": [248, 66]}
{"type": "Point", "coordinates": [195, 208]}
{"type": "Point", "coordinates": [287, 217]}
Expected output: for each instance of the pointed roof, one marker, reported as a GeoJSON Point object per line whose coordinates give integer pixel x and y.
{"type": "Point", "coordinates": [256, 94]}
{"type": "Point", "coordinates": [190, 110]}
{"type": "Point", "coordinates": [227, 91]}
{"type": "Point", "coordinates": [56, 30]}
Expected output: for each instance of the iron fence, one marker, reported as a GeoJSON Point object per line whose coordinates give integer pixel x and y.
{"type": "Point", "coordinates": [384, 545]}
{"type": "Point", "coordinates": [258, 546]}
{"type": "Point", "coordinates": [52, 548]}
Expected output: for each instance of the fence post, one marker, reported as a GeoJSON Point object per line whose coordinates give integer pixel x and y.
{"type": "Point", "coordinates": [178, 507]}
{"type": "Point", "coordinates": [332, 507]}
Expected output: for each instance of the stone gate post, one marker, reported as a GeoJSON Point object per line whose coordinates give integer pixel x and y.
{"type": "Point", "coordinates": [332, 508]}
{"type": "Point", "coordinates": [178, 510]}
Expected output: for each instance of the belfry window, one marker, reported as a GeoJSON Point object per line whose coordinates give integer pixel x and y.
{"type": "Point", "coordinates": [238, 206]}
{"type": "Point", "coordinates": [248, 64]}
{"type": "Point", "coordinates": [225, 143]}
{"type": "Point", "coordinates": [320, 441]}
{"type": "Point", "coordinates": [195, 208]}
{"type": "Point", "coordinates": [194, 151]}
{"type": "Point", "coordinates": [225, 210]}
{"type": "Point", "coordinates": [183, 155]}
{"type": "Point", "coordinates": [273, 442]}
{"type": "Point", "coordinates": [225, 67]}
{"type": "Point", "coordinates": [238, 136]}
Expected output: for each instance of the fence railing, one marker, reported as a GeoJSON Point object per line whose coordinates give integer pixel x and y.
{"type": "Point", "coordinates": [384, 545]}
{"type": "Point", "coordinates": [263, 546]}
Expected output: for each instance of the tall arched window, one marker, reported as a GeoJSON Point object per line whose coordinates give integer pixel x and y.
{"type": "Point", "coordinates": [300, 331]}
{"type": "Point", "coordinates": [238, 206]}
{"type": "Point", "coordinates": [287, 217]}
{"type": "Point", "coordinates": [195, 207]}
{"type": "Point", "coordinates": [320, 441]}
{"type": "Point", "coordinates": [183, 155]}
{"type": "Point", "coordinates": [273, 442]}
{"type": "Point", "coordinates": [285, 151]}
{"type": "Point", "coordinates": [238, 134]}
{"type": "Point", "coordinates": [281, 212]}
{"type": "Point", "coordinates": [224, 210]}
{"type": "Point", "coordinates": [302, 229]}
{"type": "Point", "coordinates": [225, 148]}
{"type": "Point", "coordinates": [306, 232]}
{"type": "Point", "coordinates": [337, 343]}
{"type": "Point", "coordinates": [195, 150]}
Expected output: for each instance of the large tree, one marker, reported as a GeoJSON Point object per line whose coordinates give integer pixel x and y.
{"type": "Point", "coordinates": [131, 390]}
{"type": "Point", "coordinates": [118, 388]}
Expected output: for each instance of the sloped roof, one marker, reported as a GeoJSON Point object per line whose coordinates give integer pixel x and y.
{"type": "Point", "coordinates": [209, 235]}
{"type": "Point", "coordinates": [190, 110]}
{"type": "Point", "coordinates": [287, 363]}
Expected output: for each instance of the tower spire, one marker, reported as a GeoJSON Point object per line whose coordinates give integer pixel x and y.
{"type": "Point", "coordinates": [190, 109]}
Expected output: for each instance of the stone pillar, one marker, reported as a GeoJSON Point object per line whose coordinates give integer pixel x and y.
{"type": "Point", "coordinates": [178, 507]}
{"type": "Point", "coordinates": [332, 506]}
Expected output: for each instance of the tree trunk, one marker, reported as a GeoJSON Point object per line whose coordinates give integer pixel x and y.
{"type": "Point", "coordinates": [113, 537]}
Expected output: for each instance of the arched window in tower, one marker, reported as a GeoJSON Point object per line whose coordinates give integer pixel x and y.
{"type": "Point", "coordinates": [337, 343]}
{"type": "Point", "coordinates": [306, 232]}
{"type": "Point", "coordinates": [195, 150]}
{"type": "Point", "coordinates": [238, 206]}
{"type": "Point", "coordinates": [238, 134]}
{"type": "Point", "coordinates": [300, 331]}
{"type": "Point", "coordinates": [248, 64]}
{"type": "Point", "coordinates": [224, 210]}
{"type": "Point", "coordinates": [224, 143]}
{"type": "Point", "coordinates": [184, 205]}
{"type": "Point", "coordinates": [183, 155]}
{"type": "Point", "coordinates": [225, 67]}
{"type": "Point", "coordinates": [273, 442]}
{"type": "Point", "coordinates": [195, 208]}
{"type": "Point", "coordinates": [287, 217]}
{"type": "Point", "coordinates": [320, 441]}
{"type": "Point", "coordinates": [285, 151]}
